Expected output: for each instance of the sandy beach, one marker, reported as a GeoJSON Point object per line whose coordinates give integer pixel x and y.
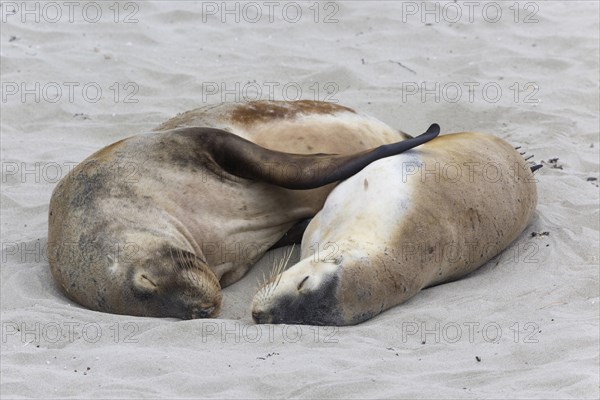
{"type": "Point", "coordinates": [79, 76]}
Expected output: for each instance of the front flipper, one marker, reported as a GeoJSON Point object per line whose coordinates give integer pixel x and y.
{"type": "Point", "coordinates": [294, 235]}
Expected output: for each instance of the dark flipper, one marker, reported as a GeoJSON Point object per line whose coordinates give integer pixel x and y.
{"type": "Point", "coordinates": [352, 164]}
{"type": "Point", "coordinates": [248, 160]}
{"type": "Point", "coordinates": [294, 235]}
{"type": "Point", "coordinates": [536, 167]}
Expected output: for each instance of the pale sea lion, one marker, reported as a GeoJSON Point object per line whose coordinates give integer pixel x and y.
{"type": "Point", "coordinates": [156, 224]}
{"type": "Point", "coordinates": [418, 219]}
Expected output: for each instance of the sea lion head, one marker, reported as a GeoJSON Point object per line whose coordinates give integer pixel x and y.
{"type": "Point", "coordinates": [344, 290]}
{"type": "Point", "coordinates": [306, 293]}
{"type": "Point", "coordinates": [172, 283]}
{"type": "Point", "coordinates": [142, 274]}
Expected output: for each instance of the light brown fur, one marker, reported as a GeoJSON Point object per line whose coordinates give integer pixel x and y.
{"type": "Point", "coordinates": [405, 230]}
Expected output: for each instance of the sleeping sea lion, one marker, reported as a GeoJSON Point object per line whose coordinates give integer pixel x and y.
{"type": "Point", "coordinates": [427, 216]}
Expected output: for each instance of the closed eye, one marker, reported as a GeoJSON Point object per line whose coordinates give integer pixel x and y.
{"type": "Point", "coordinates": [302, 283]}
{"type": "Point", "coordinates": [152, 283]}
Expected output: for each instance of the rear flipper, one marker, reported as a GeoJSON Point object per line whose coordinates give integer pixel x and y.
{"type": "Point", "coordinates": [294, 235]}
{"type": "Point", "coordinates": [534, 167]}
{"type": "Point", "coordinates": [248, 160]}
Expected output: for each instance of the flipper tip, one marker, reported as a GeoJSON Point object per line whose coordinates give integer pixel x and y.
{"type": "Point", "coordinates": [536, 167]}
{"type": "Point", "coordinates": [434, 129]}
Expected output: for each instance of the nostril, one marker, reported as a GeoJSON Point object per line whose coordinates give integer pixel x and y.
{"type": "Point", "coordinates": [209, 311]}
{"type": "Point", "coordinates": [202, 312]}
{"type": "Point", "coordinates": [257, 316]}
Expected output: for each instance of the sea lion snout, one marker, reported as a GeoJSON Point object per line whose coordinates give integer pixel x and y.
{"type": "Point", "coordinates": [318, 308]}
{"type": "Point", "coordinates": [260, 317]}
{"type": "Point", "coordinates": [182, 301]}
{"type": "Point", "coordinates": [176, 284]}
{"type": "Point", "coordinates": [208, 312]}
{"type": "Point", "coordinates": [306, 293]}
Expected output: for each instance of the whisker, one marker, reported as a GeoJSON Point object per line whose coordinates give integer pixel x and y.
{"type": "Point", "coordinates": [271, 282]}
{"type": "Point", "coordinates": [279, 270]}
{"type": "Point", "coordinates": [289, 255]}
{"type": "Point", "coordinates": [179, 257]}
{"type": "Point", "coordinates": [282, 265]}
{"type": "Point", "coordinates": [268, 293]}
{"type": "Point", "coordinates": [171, 254]}
{"type": "Point", "coordinates": [273, 267]}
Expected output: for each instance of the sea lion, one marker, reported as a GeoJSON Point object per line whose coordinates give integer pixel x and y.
{"type": "Point", "coordinates": [155, 224]}
{"type": "Point", "coordinates": [404, 223]}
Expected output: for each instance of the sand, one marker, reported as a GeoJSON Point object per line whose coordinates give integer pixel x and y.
{"type": "Point", "coordinates": [526, 325]}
